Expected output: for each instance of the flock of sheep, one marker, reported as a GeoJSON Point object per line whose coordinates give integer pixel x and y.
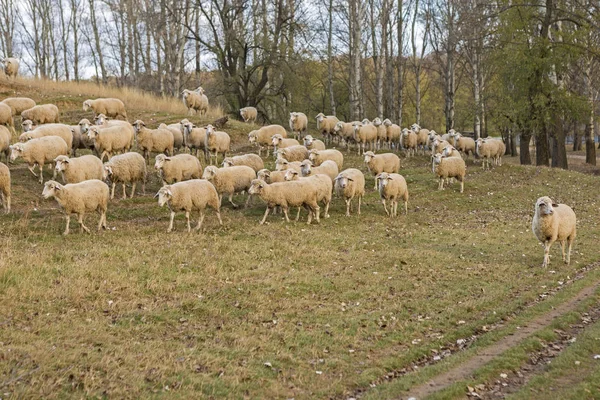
{"type": "Point", "coordinates": [306, 174]}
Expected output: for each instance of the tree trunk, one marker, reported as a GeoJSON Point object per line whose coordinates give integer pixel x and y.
{"type": "Point", "coordinates": [559, 151]}
{"type": "Point", "coordinates": [330, 59]}
{"type": "Point", "coordinates": [75, 27]}
{"type": "Point", "coordinates": [97, 41]}
{"type": "Point", "coordinates": [576, 136]}
{"type": "Point", "coordinates": [524, 154]}
{"type": "Point", "coordinates": [400, 61]}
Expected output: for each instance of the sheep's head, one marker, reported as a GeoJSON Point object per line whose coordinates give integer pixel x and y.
{"type": "Point", "coordinates": [437, 158]}
{"type": "Point", "coordinates": [377, 121]}
{"type": "Point", "coordinates": [357, 125]}
{"type": "Point", "coordinates": [106, 171]}
{"type": "Point", "coordinates": [291, 175]}
{"type": "Point", "coordinates": [160, 161]}
{"type": "Point", "coordinates": [451, 133]}
{"type": "Point", "coordinates": [138, 125]}
{"type": "Point", "coordinates": [257, 186]}
{"type": "Point", "coordinates": [252, 137]}
{"type": "Point", "coordinates": [320, 117]}
{"type": "Point", "coordinates": [200, 90]}
{"type": "Point", "coordinates": [264, 174]}
{"type": "Point", "coordinates": [305, 167]}
{"type": "Point", "coordinates": [210, 130]}
{"type": "Point", "coordinates": [383, 179]}
{"type": "Point", "coordinates": [308, 140]}
{"type": "Point", "coordinates": [25, 136]}
{"type": "Point", "coordinates": [545, 206]}
{"type": "Point", "coordinates": [387, 122]}
{"type": "Point", "coordinates": [165, 194]}
{"type": "Point", "coordinates": [415, 127]}
{"type": "Point", "coordinates": [93, 132]}
{"type": "Point", "coordinates": [227, 162]}
{"type": "Point", "coordinates": [87, 105]}
{"type": "Point", "coordinates": [281, 164]}
{"type": "Point", "coordinates": [27, 125]}
{"type": "Point", "coordinates": [369, 155]}
{"type": "Point", "coordinates": [366, 121]}
{"type": "Point", "coordinates": [84, 125]}
{"type": "Point", "coordinates": [338, 127]}
{"type": "Point", "coordinates": [293, 116]}
{"type": "Point", "coordinates": [100, 119]}
{"type": "Point", "coordinates": [405, 132]}
{"type": "Point", "coordinates": [16, 150]}
{"type": "Point", "coordinates": [342, 180]}
{"type": "Point", "coordinates": [51, 188]}
{"type": "Point", "coordinates": [313, 154]}
{"type": "Point", "coordinates": [447, 151]}
{"type": "Point", "coordinates": [186, 93]}
{"type": "Point", "coordinates": [61, 163]}
{"type": "Point", "coordinates": [209, 173]}
{"type": "Point", "coordinates": [276, 139]}
{"type": "Point", "coordinates": [243, 112]}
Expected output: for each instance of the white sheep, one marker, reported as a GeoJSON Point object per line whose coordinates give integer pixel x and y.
{"type": "Point", "coordinates": [5, 187]}
{"type": "Point", "coordinates": [5, 138]}
{"type": "Point", "coordinates": [327, 167]}
{"type": "Point", "coordinates": [350, 183]}
{"type": "Point", "coordinates": [230, 180]}
{"type": "Point", "coordinates": [6, 116]}
{"type": "Point", "coordinates": [112, 108]}
{"type": "Point", "coordinates": [271, 176]}
{"type": "Point", "coordinates": [111, 140]}
{"type": "Point", "coordinates": [365, 134]}
{"type": "Point", "coordinates": [552, 222]}
{"type": "Point", "coordinates": [386, 162]}
{"type": "Point", "coordinates": [42, 114]}
{"type": "Point", "coordinates": [79, 198]}
{"type": "Point", "coordinates": [392, 187]}
{"type": "Point", "coordinates": [28, 125]}
{"type": "Point", "coordinates": [39, 151]}
{"type": "Point", "coordinates": [60, 130]}
{"type": "Point", "coordinates": [80, 140]}
{"type": "Point", "coordinates": [422, 137]}
{"type": "Point", "coordinates": [486, 150]}
{"type": "Point", "coordinates": [216, 142]}
{"type": "Point", "coordinates": [322, 182]}
{"type": "Point", "coordinates": [188, 196]}
{"type": "Point", "coordinates": [450, 151]}
{"type": "Point", "coordinates": [263, 137]}
{"type": "Point", "coordinates": [393, 133]}
{"type": "Point", "coordinates": [153, 140]}
{"type": "Point", "coordinates": [381, 133]}
{"type": "Point", "coordinates": [409, 142]}
{"type": "Point", "coordinates": [293, 153]}
{"type": "Point", "coordinates": [279, 142]}
{"type": "Point", "coordinates": [326, 125]}
{"type": "Point", "coordinates": [463, 144]}
{"type": "Point", "coordinates": [179, 168]}
{"type": "Point", "coordinates": [79, 169]}
{"type": "Point", "coordinates": [125, 168]}
{"type": "Point", "coordinates": [311, 143]}
{"type": "Point", "coordinates": [319, 156]}
{"type": "Point", "coordinates": [281, 164]}
{"type": "Point", "coordinates": [345, 131]}
{"type": "Point", "coordinates": [11, 67]}
{"type": "Point", "coordinates": [249, 114]}
{"type": "Point", "coordinates": [452, 167]}
{"type": "Point", "coordinates": [195, 101]}
{"type": "Point", "coordinates": [19, 104]}
{"type": "Point", "coordinates": [250, 160]}
{"type": "Point", "coordinates": [298, 124]}
{"type": "Point", "coordinates": [500, 150]}
{"type": "Point", "coordinates": [177, 134]}
{"type": "Point", "coordinates": [194, 138]}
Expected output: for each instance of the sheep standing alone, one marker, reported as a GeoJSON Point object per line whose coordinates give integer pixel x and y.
{"type": "Point", "coordinates": [6, 116]}
{"type": "Point", "coordinates": [249, 114]}
{"type": "Point", "coordinates": [311, 143]}
{"type": "Point", "coordinates": [392, 187]}
{"type": "Point", "coordinates": [189, 196]}
{"type": "Point", "coordinates": [195, 101]}
{"type": "Point", "coordinates": [326, 125]}
{"type": "Point", "coordinates": [19, 104]}
{"type": "Point", "coordinates": [179, 168]}
{"type": "Point", "coordinates": [153, 140]}
{"type": "Point", "coordinates": [11, 67]}
{"type": "Point", "coordinates": [487, 151]}
{"type": "Point", "coordinates": [5, 187]}
{"type": "Point", "coordinates": [263, 137]}
{"type": "Point", "coordinates": [108, 141]}
{"type": "Point", "coordinates": [452, 167]}
{"type": "Point", "coordinates": [319, 156]}
{"type": "Point", "coordinates": [112, 108]}
{"type": "Point", "coordinates": [350, 183]}
{"type": "Point", "coordinates": [216, 142]}
{"type": "Point", "coordinates": [39, 151]}
{"type": "Point", "coordinates": [298, 124]}
{"type": "Point", "coordinates": [250, 160]}
{"type": "Point", "coordinates": [125, 168]}
{"type": "Point", "coordinates": [387, 162]}
{"type": "Point", "coordinates": [79, 198]}
{"type": "Point", "coordinates": [5, 138]}
{"type": "Point", "coordinates": [230, 180]}
{"type": "Point", "coordinates": [42, 114]}
{"type": "Point", "coordinates": [79, 169]}
{"type": "Point", "coordinates": [552, 222]}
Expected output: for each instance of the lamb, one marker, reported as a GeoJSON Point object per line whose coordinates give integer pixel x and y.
{"type": "Point", "coordinates": [263, 137]}
{"type": "Point", "coordinates": [365, 134]}
{"type": "Point", "coordinates": [112, 108]}
{"type": "Point", "coordinates": [453, 167]}
{"type": "Point", "coordinates": [463, 144]}
{"type": "Point", "coordinates": [189, 196]}
{"type": "Point", "coordinates": [486, 150]}
{"type": "Point", "coordinates": [60, 130]}
{"type": "Point", "coordinates": [79, 169]}
{"type": "Point", "coordinates": [381, 133]}
{"type": "Point", "coordinates": [19, 104]}
{"type": "Point", "coordinates": [5, 187]}
{"type": "Point", "coordinates": [126, 168]}
{"type": "Point", "coordinates": [193, 137]}
{"type": "Point", "coordinates": [281, 164]}
{"type": "Point", "coordinates": [281, 143]}
{"type": "Point", "coordinates": [153, 140]}
{"type": "Point", "coordinates": [39, 151]}
{"type": "Point", "coordinates": [387, 162]}
{"type": "Point", "coordinates": [552, 222]}
{"type": "Point", "coordinates": [195, 101]}
{"type": "Point", "coordinates": [294, 153]}
{"type": "Point", "coordinates": [79, 198]}
{"type": "Point", "coordinates": [328, 168]}
{"type": "Point", "coordinates": [250, 160]}
{"type": "Point", "coordinates": [298, 124]}
{"type": "Point", "coordinates": [179, 168]}
{"type": "Point", "coordinates": [319, 156]}
{"type": "Point", "coordinates": [350, 183]}
{"type": "Point", "coordinates": [42, 114]}
{"type": "Point", "coordinates": [216, 142]}
{"type": "Point", "coordinates": [392, 187]}
{"type": "Point", "coordinates": [324, 186]}
{"type": "Point", "coordinates": [5, 138]}
{"type": "Point", "coordinates": [108, 141]}
{"type": "Point", "coordinates": [409, 142]}
{"type": "Point", "coordinates": [11, 67]}
{"type": "Point", "coordinates": [249, 114]}
{"type": "Point", "coordinates": [326, 125]}
{"type": "Point", "coordinates": [311, 143]}
{"type": "Point", "coordinates": [6, 116]}
{"type": "Point", "coordinates": [393, 132]}
{"type": "Point", "coordinates": [287, 194]}
{"type": "Point", "coordinates": [230, 180]}
{"type": "Point", "coordinates": [177, 135]}
{"type": "Point", "coordinates": [271, 176]}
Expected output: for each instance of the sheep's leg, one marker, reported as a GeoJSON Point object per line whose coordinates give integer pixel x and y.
{"type": "Point", "coordinates": [248, 201]}
{"type": "Point", "coordinates": [285, 212]}
{"type": "Point", "coordinates": [83, 227]}
{"type": "Point", "coordinates": [124, 192]}
{"type": "Point", "coordinates": [30, 168]}
{"type": "Point", "coordinates": [41, 174]}
{"type": "Point", "coordinates": [385, 208]}
{"type": "Point", "coordinates": [310, 214]}
{"type": "Point", "coordinates": [298, 215]}
{"type": "Point", "coordinates": [132, 190]}
{"type": "Point", "coordinates": [569, 241]}
{"type": "Point", "coordinates": [187, 218]}
{"type": "Point", "coordinates": [102, 155]}
{"type": "Point", "coordinates": [170, 228]}
{"type": "Point", "coordinates": [348, 202]}
{"type": "Point", "coordinates": [219, 217]}
{"type": "Point", "coordinates": [231, 200]}
{"type": "Point", "coordinates": [68, 218]}
{"type": "Point", "coordinates": [547, 245]}
{"type": "Point", "coordinates": [112, 192]}
{"type": "Point", "coordinates": [562, 249]}
{"type": "Point", "coordinates": [265, 216]}
{"type": "Point", "coordinates": [220, 198]}
{"type": "Point", "coordinates": [53, 165]}
{"type": "Point", "coordinates": [406, 207]}
{"type": "Point", "coordinates": [317, 212]}
{"type": "Point", "coordinates": [462, 185]}
{"type": "Point", "coordinates": [327, 209]}
{"type": "Point", "coordinates": [102, 222]}
{"type": "Point", "coordinates": [201, 220]}
{"type": "Point", "coordinates": [441, 184]}
{"type": "Point", "coordinates": [376, 181]}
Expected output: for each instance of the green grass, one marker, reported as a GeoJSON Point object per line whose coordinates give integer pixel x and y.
{"type": "Point", "coordinates": [137, 312]}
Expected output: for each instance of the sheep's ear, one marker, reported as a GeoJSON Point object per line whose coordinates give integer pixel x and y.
{"type": "Point", "coordinates": [156, 195]}
{"type": "Point", "coordinates": [56, 186]}
{"type": "Point", "coordinates": [554, 205]}
{"type": "Point", "coordinates": [350, 179]}
{"type": "Point", "coordinates": [65, 161]}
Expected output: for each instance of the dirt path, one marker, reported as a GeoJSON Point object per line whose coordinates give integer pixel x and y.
{"type": "Point", "coordinates": [485, 355]}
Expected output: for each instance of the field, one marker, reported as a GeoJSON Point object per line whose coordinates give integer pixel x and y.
{"type": "Point", "coordinates": [360, 306]}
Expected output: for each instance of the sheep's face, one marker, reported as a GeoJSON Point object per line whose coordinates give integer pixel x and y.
{"type": "Point", "coordinates": [293, 117]}
{"type": "Point", "coordinates": [415, 127]}
{"type": "Point", "coordinates": [387, 122]}
{"type": "Point", "coordinates": [281, 164]}
{"type": "Point", "coordinates": [137, 125]}
{"type": "Point", "coordinates": [343, 181]}
{"type": "Point", "coordinates": [209, 173]}
{"type": "Point", "coordinates": [51, 188]}
{"type": "Point", "coordinates": [61, 163]}
{"type": "Point", "coordinates": [308, 140]}
{"type": "Point", "coordinates": [545, 206]}
{"type": "Point", "coordinates": [160, 161]}
{"type": "Point", "coordinates": [16, 150]}
{"type": "Point", "coordinates": [27, 125]}
{"type": "Point", "coordinates": [312, 156]}
{"type": "Point", "coordinates": [383, 179]}
{"type": "Point", "coordinates": [165, 194]}
{"type": "Point", "coordinates": [210, 130]}
{"type": "Point", "coordinates": [252, 137]}
{"type": "Point", "coordinates": [87, 105]}
{"type": "Point", "coordinates": [93, 132]}
{"type": "Point", "coordinates": [369, 155]}
{"type": "Point", "coordinates": [290, 175]}
{"type": "Point", "coordinates": [106, 171]}
{"type": "Point", "coordinates": [447, 151]}
{"type": "Point", "coordinates": [84, 125]}
{"type": "Point", "coordinates": [338, 127]}
{"type": "Point", "coordinates": [276, 139]}
{"type": "Point", "coordinates": [100, 119]}
{"type": "Point", "coordinates": [25, 137]}
{"type": "Point", "coordinates": [257, 186]}
{"type": "Point", "coordinates": [437, 158]}
{"type": "Point", "coordinates": [357, 125]}
{"type": "Point", "coordinates": [264, 174]}
{"type": "Point", "coordinates": [243, 113]}
{"type": "Point", "coordinates": [377, 122]}
{"type": "Point", "coordinates": [227, 162]}
{"type": "Point", "coordinates": [366, 121]}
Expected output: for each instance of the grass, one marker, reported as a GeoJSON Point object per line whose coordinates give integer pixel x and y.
{"type": "Point", "coordinates": [274, 311]}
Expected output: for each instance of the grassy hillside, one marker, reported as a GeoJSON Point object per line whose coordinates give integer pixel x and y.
{"type": "Point", "coordinates": [274, 311]}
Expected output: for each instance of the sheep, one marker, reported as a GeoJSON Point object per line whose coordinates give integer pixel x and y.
{"type": "Point", "coordinates": [11, 67]}
{"type": "Point", "coordinates": [5, 138]}
{"type": "Point", "coordinates": [319, 156]}
{"type": "Point", "coordinates": [311, 143]}
{"type": "Point", "coordinates": [298, 124]}
{"type": "Point", "coordinates": [328, 168]}
{"type": "Point", "coordinates": [79, 198]}
{"type": "Point", "coordinates": [103, 122]}
{"type": "Point", "coordinates": [195, 101]}
{"type": "Point", "coordinates": [216, 142]}
{"type": "Point", "coordinates": [452, 167]}
{"type": "Point", "coordinates": [422, 136]}
{"type": "Point", "coordinates": [381, 133]}
{"type": "Point", "coordinates": [193, 137]}
{"type": "Point", "coordinates": [500, 150]}
{"type": "Point", "coordinates": [28, 125]}
{"type": "Point", "coordinates": [393, 132]}
{"type": "Point", "coordinates": [409, 142]}
{"type": "Point", "coordinates": [109, 140]}
{"type": "Point", "coordinates": [437, 146]}
{"type": "Point", "coordinates": [230, 180]}
{"type": "Point", "coordinates": [450, 151]}
{"type": "Point", "coordinates": [294, 153]}
{"type": "Point", "coordinates": [552, 222]}
{"type": "Point", "coordinates": [6, 116]}
{"type": "Point", "coordinates": [392, 187]}
{"type": "Point", "coordinates": [153, 140]}
{"type": "Point", "coordinates": [112, 108]}
{"type": "Point", "coordinates": [281, 164]}
{"type": "Point", "coordinates": [350, 183]}
{"type": "Point", "coordinates": [263, 137]}
{"type": "Point", "coordinates": [281, 143]}
{"type": "Point", "coordinates": [250, 160]}
{"type": "Point", "coordinates": [387, 162]}
{"type": "Point", "coordinates": [324, 186]}
{"type": "Point", "coordinates": [271, 176]}
{"type": "Point", "coordinates": [80, 140]}
{"type": "Point", "coordinates": [326, 125]}
{"type": "Point", "coordinates": [249, 114]}
{"type": "Point", "coordinates": [61, 130]}
{"type": "Point", "coordinates": [5, 187]}
{"type": "Point", "coordinates": [189, 196]}
{"type": "Point", "coordinates": [365, 134]}
{"type": "Point", "coordinates": [79, 169]}
{"type": "Point", "coordinates": [486, 150]}
{"type": "Point", "coordinates": [126, 168]}
{"type": "Point", "coordinates": [463, 144]}
{"type": "Point", "coordinates": [39, 151]}
{"type": "Point", "coordinates": [287, 194]}
{"type": "Point", "coordinates": [19, 104]}
{"type": "Point", "coordinates": [177, 135]}
{"type": "Point", "coordinates": [431, 138]}
{"type": "Point", "coordinates": [42, 114]}
{"type": "Point", "coordinates": [345, 132]}
{"type": "Point", "coordinates": [181, 167]}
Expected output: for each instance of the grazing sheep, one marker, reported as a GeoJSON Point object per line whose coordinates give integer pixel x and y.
{"type": "Point", "coordinates": [320, 156]}
{"type": "Point", "coordinates": [393, 133]}
{"type": "Point", "coordinates": [387, 162]}
{"type": "Point", "coordinates": [216, 142]}
{"type": "Point", "coordinates": [280, 142]}
{"type": "Point", "coordinates": [112, 108]}
{"type": "Point", "coordinates": [179, 168]}
{"type": "Point", "coordinates": [294, 153]}
{"type": "Point", "coordinates": [108, 141]}
{"type": "Point", "coordinates": [177, 135]}
{"type": "Point", "coordinates": [6, 116]}
{"type": "Point", "coordinates": [195, 101]}
{"type": "Point", "coordinates": [328, 168]}
{"type": "Point", "coordinates": [453, 167]}
{"type": "Point", "coordinates": [249, 114]}
{"type": "Point", "coordinates": [5, 187]}
{"type": "Point", "coordinates": [42, 114]}
{"type": "Point", "coordinates": [281, 164]}
{"type": "Point", "coordinates": [230, 180]}
{"type": "Point", "coordinates": [263, 137]}
{"type": "Point", "coordinates": [392, 187]}
{"type": "Point", "coordinates": [5, 138]}
{"type": "Point", "coordinates": [126, 168]}
{"type": "Point", "coordinates": [11, 67]}
{"type": "Point", "coordinates": [19, 104]}
{"type": "Point", "coordinates": [463, 144]}
{"type": "Point", "coordinates": [250, 160]}
{"type": "Point", "coordinates": [271, 176]}
{"type": "Point", "coordinates": [486, 150]}
{"type": "Point", "coordinates": [409, 142]}
{"type": "Point", "coordinates": [189, 196]}
{"type": "Point", "coordinates": [153, 140]}
{"type": "Point", "coordinates": [324, 186]}
{"type": "Point", "coordinates": [350, 183]}
{"type": "Point", "coordinates": [79, 169]}
{"type": "Point", "coordinates": [60, 130]}
{"type": "Point", "coordinates": [194, 138]}
{"type": "Point", "coordinates": [381, 133]}
{"type": "Point", "coordinates": [311, 143]}
{"type": "Point", "coordinates": [298, 124]}
{"type": "Point", "coordinates": [39, 151]}
{"type": "Point", "coordinates": [79, 198]}
{"type": "Point", "coordinates": [326, 125]}
{"type": "Point", "coordinates": [552, 222]}
{"type": "Point", "coordinates": [301, 193]}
